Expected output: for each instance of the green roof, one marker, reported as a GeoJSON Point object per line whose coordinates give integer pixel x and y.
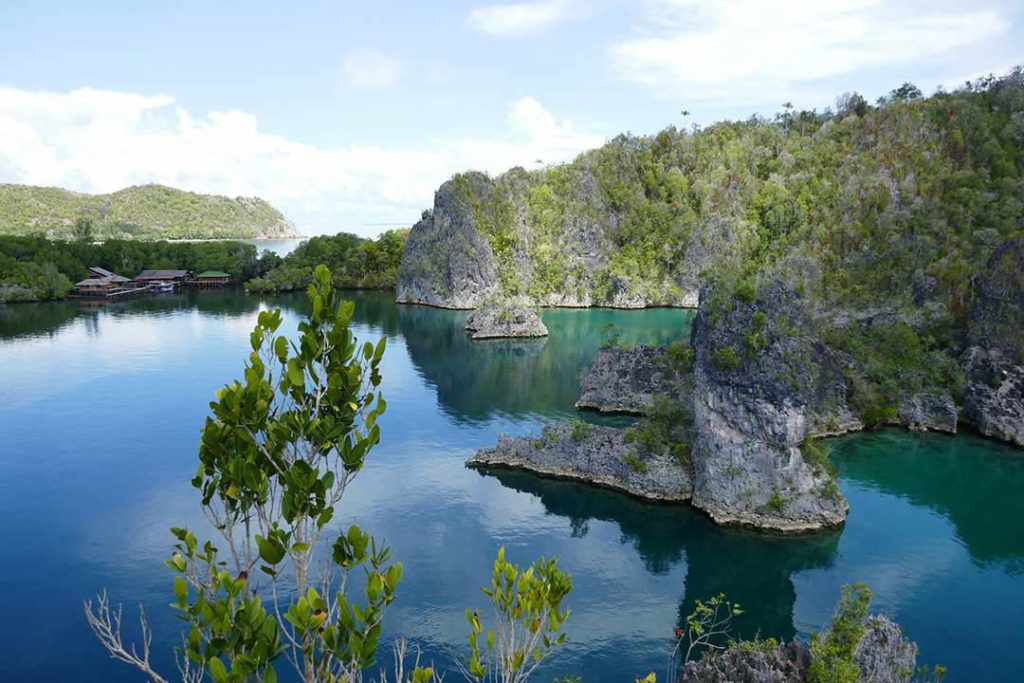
{"type": "Point", "coordinates": [213, 273]}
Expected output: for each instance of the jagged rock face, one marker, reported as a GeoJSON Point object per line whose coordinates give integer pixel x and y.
{"type": "Point", "coordinates": [590, 453]}
{"type": "Point", "coordinates": [994, 362]}
{"type": "Point", "coordinates": [504, 320]}
{"type": "Point", "coordinates": [447, 261]}
{"type": "Point", "coordinates": [760, 382]}
{"type": "Point", "coordinates": [884, 655]}
{"type": "Point", "coordinates": [625, 380]}
{"type": "Point", "coordinates": [750, 663]}
{"type": "Point", "coordinates": [452, 256]}
{"type": "Point", "coordinates": [997, 319]}
{"type": "Point", "coordinates": [994, 399]}
{"type": "Point", "coordinates": [928, 412]}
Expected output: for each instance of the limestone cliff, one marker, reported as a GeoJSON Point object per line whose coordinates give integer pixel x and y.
{"type": "Point", "coordinates": [552, 238]}
{"type": "Point", "coordinates": [625, 380]}
{"type": "Point", "coordinates": [883, 655]}
{"type": "Point", "coordinates": [761, 382]}
{"type": "Point", "coordinates": [994, 361]}
{"type": "Point", "coordinates": [447, 261]}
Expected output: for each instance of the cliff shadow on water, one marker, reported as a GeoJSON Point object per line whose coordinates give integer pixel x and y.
{"type": "Point", "coordinates": [476, 380]}
{"type": "Point", "coordinates": [752, 569]}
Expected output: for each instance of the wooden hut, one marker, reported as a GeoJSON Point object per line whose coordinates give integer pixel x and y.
{"type": "Point", "coordinates": [177, 278]}
{"type": "Point", "coordinates": [213, 278]}
{"type": "Point", "coordinates": [102, 282]}
{"type": "Point", "coordinates": [103, 286]}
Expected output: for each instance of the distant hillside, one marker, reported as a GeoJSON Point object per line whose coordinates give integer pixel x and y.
{"type": "Point", "coordinates": [138, 212]}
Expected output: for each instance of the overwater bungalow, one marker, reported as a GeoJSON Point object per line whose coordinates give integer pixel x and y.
{"type": "Point", "coordinates": [155, 277]}
{"type": "Point", "coordinates": [102, 282]}
{"type": "Point", "coordinates": [213, 278]}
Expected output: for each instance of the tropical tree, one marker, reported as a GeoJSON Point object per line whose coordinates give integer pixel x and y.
{"type": "Point", "coordinates": [276, 457]}
{"type": "Point", "coordinates": [529, 617]}
{"type": "Point", "coordinates": [82, 232]}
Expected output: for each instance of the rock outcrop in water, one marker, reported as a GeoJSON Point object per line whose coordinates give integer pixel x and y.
{"type": "Point", "coordinates": [928, 412]}
{"type": "Point", "coordinates": [626, 380]}
{"type": "Point", "coordinates": [994, 400]}
{"type": "Point", "coordinates": [761, 382]}
{"type": "Point", "coordinates": [994, 361]}
{"type": "Point", "coordinates": [883, 655]}
{"type": "Point", "coordinates": [758, 662]}
{"type": "Point", "coordinates": [591, 453]}
{"type": "Point", "coordinates": [505, 319]}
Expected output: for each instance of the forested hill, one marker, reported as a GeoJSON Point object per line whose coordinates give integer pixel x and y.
{"type": "Point", "coordinates": [903, 198]}
{"type": "Point", "coordinates": [138, 212]}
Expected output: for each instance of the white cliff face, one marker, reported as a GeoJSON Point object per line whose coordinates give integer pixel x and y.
{"type": "Point", "coordinates": [748, 468]}
{"type": "Point", "coordinates": [448, 262]}
{"type": "Point", "coordinates": [754, 403]}
{"type": "Point", "coordinates": [994, 361]}
{"type": "Point", "coordinates": [625, 380]}
{"type": "Point", "coordinates": [994, 399]}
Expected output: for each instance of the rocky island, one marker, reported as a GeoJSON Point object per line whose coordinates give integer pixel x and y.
{"type": "Point", "coordinates": [503, 320]}
{"type": "Point", "coordinates": [594, 454]}
{"type": "Point", "coordinates": [810, 322]}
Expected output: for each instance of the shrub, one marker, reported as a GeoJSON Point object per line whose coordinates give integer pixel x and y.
{"type": "Point", "coordinates": [667, 427]}
{"type": "Point", "coordinates": [635, 462]}
{"type": "Point", "coordinates": [726, 358]}
{"type": "Point", "coordinates": [530, 616]}
{"type": "Point", "coordinates": [580, 429]}
{"type": "Point", "coordinates": [815, 456]}
{"type": "Point", "coordinates": [776, 503]}
{"type": "Point", "coordinates": [746, 291]}
{"type": "Point", "coordinates": [832, 651]}
{"type": "Point", "coordinates": [679, 357]}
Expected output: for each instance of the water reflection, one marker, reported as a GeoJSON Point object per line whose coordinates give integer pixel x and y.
{"type": "Point", "coordinates": [949, 475]}
{"type": "Point", "coordinates": [475, 380]}
{"type": "Point", "coordinates": [755, 570]}
{"type": "Point", "coordinates": [100, 423]}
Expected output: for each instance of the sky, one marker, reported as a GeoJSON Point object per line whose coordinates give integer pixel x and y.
{"type": "Point", "coordinates": [348, 115]}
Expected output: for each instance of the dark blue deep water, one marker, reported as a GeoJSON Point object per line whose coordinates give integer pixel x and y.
{"type": "Point", "coordinates": [99, 422]}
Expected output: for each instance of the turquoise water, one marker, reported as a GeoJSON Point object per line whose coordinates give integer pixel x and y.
{"type": "Point", "coordinates": [100, 418]}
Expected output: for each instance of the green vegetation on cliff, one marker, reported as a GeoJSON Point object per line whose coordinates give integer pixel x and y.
{"type": "Point", "coordinates": [138, 212]}
{"type": "Point", "coordinates": [355, 262]}
{"type": "Point", "coordinates": [903, 199]}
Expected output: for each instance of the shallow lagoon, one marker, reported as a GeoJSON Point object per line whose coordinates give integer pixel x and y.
{"type": "Point", "coordinates": [100, 418]}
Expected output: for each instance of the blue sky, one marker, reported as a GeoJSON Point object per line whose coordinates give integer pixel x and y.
{"type": "Point", "coordinates": [348, 115]}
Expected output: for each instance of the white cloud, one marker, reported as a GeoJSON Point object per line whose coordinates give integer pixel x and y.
{"type": "Point", "coordinates": [518, 18]}
{"type": "Point", "coordinates": [748, 49]}
{"type": "Point", "coordinates": [100, 141]}
{"type": "Point", "coordinates": [370, 69]}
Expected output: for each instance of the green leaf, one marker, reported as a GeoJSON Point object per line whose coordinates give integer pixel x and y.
{"type": "Point", "coordinates": [295, 374]}
{"type": "Point", "coordinates": [281, 348]}
{"type": "Point", "coordinates": [181, 591]}
{"type": "Point", "coordinates": [218, 671]}
{"type": "Point", "coordinates": [272, 551]}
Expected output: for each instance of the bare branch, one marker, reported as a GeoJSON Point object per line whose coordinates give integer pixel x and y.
{"type": "Point", "coordinates": [107, 627]}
